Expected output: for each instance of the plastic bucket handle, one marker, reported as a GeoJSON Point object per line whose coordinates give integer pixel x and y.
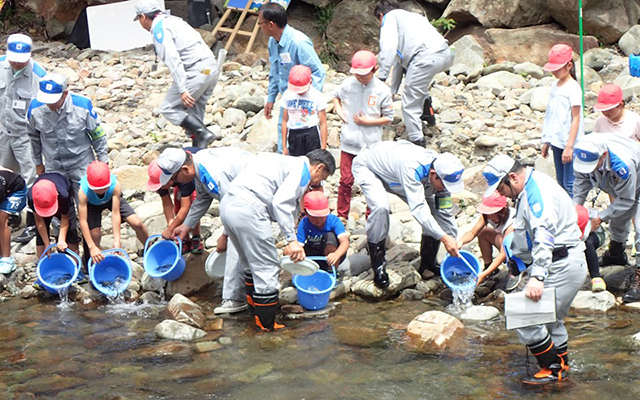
{"type": "Point", "coordinates": [68, 251]}
{"type": "Point", "coordinates": [157, 236]}
{"type": "Point", "coordinates": [90, 266]}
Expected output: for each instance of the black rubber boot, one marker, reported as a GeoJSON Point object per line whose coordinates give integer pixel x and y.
{"type": "Point", "coordinates": [266, 307]}
{"type": "Point", "coordinates": [428, 115]}
{"type": "Point", "coordinates": [376, 253]}
{"type": "Point", "coordinates": [615, 255]}
{"type": "Point", "coordinates": [428, 255]}
{"type": "Point", "coordinates": [248, 286]}
{"type": "Point", "coordinates": [563, 352]}
{"type": "Point", "coordinates": [420, 142]}
{"type": "Point", "coordinates": [551, 363]}
{"type": "Point", "coordinates": [202, 137]}
{"type": "Point", "coordinates": [633, 294]}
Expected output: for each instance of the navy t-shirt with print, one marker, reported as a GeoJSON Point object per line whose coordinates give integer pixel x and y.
{"type": "Point", "coordinates": [10, 183]}
{"type": "Point", "coordinates": [311, 234]}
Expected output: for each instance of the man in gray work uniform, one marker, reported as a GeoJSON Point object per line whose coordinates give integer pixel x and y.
{"type": "Point", "coordinates": [19, 77]}
{"type": "Point", "coordinates": [422, 178]}
{"type": "Point", "coordinates": [192, 65]}
{"type": "Point", "coordinates": [65, 131]}
{"type": "Point", "coordinates": [547, 238]}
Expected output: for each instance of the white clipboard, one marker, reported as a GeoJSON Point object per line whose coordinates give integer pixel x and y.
{"type": "Point", "coordinates": [521, 312]}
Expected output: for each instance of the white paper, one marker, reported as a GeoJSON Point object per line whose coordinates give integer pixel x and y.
{"type": "Point", "coordinates": [112, 28]}
{"type": "Point", "coordinates": [520, 311]}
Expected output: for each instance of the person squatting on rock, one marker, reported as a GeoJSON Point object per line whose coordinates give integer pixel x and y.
{"type": "Point", "coordinates": [611, 162]}
{"type": "Point", "coordinates": [410, 41]}
{"type": "Point", "coordinates": [321, 232]}
{"type": "Point", "coordinates": [65, 131]}
{"type": "Point", "coordinates": [304, 115]}
{"type": "Point", "coordinates": [364, 104]}
{"type": "Point", "coordinates": [287, 47]}
{"type": "Point", "coordinates": [495, 222]}
{"type": "Point", "coordinates": [100, 190]}
{"type": "Point", "coordinates": [563, 123]}
{"type": "Point", "coordinates": [270, 188]}
{"type": "Point", "coordinates": [19, 77]}
{"type": "Point", "coordinates": [13, 199]}
{"type": "Point", "coordinates": [192, 65]}
{"type": "Point", "coordinates": [212, 170]}
{"type": "Point", "coordinates": [425, 180]}
{"type": "Point", "coordinates": [546, 237]}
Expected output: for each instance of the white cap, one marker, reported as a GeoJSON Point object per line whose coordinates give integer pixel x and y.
{"type": "Point", "coordinates": [170, 162]}
{"type": "Point", "coordinates": [586, 155]}
{"type": "Point", "coordinates": [450, 170]}
{"type": "Point", "coordinates": [146, 7]}
{"type": "Point", "coordinates": [51, 88]}
{"type": "Point", "coordinates": [495, 171]}
{"type": "Point", "coordinates": [19, 48]}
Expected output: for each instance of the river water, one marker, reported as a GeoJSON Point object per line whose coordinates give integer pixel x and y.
{"type": "Point", "coordinates": [361, 352]}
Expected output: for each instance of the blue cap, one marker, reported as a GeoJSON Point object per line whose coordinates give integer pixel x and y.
{"type": "Point", "coordinates": [19, 48]}
{"type": "Point", "coordinates": [51, 88]}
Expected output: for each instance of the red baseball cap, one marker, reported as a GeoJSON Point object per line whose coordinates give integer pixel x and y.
{"type": "Point", "coordinates": [98, 175]}
{"type": "Point", "coordinates": [316, 204]}
{"type": "Point", "coordinates": [299, 79]}
{"type": "Point", "coordinates": [492, 204]}
{"type": "Point", "coordinates": [608, 97]}
{"type": "Point", "coordinates": [363, 62]}
{"type": "Point", "coordinates": [154, 172]}
{"type": "Point", "coordinates": [45, 198]}
{"type": "Point", "coordinates": [559, 56]}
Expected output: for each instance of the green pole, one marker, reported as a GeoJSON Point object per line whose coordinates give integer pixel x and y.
{"type": "Point", "coordinates": [581, 52]}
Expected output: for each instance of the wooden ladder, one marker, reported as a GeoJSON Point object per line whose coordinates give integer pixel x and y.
{"type": "Point", "coordinates": [236, 29]}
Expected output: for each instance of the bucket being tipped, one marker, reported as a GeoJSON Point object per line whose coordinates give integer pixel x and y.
{"type": "Point", "coordinates": [57, 271]}
{"type": "Point", "coordinates": [163, 259]}
{"type": "Point", "coordinates": [112, 275]}
{"type": "Point", "coordinates": [458, 274]}
{"type": "Point", "coordinates": [314, 290]}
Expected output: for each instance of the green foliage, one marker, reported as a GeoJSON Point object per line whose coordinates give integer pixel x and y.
{"type": "Point", "coordinates": [443, 25]}
{"type": "Point", "coordinates": [323, 18]}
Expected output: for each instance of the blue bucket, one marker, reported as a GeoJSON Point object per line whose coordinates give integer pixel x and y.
{"type": "Point", "coordinates": [57, 271]}
{"type": "Point", "coordinates": [314, 290]}
{"type": "Point", "coordinates": [634, 65]}
{"type": "Point", "coordinates": [454, 271]}
{"type": "Point", "coordinates": [112, 275]}
{"type": "Point", "coordinates": [163, 259]}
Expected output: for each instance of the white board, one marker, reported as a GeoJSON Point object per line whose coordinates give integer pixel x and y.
{"type": "Point", "coordinates": [111, 27]}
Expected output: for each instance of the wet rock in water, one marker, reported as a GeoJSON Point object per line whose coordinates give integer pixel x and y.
{"type": "Point", "coordinates": [359, 336]}
{"type": "Point", "coordinates": [150, 298]}
{"type": "Point", "coordinates": [587, 300]}
{"type": "Point", "coordinates": [167, 350]}
{"type": "Point", "coordinates": [354, 265]}
{"type": "Point", "coordinates": [194, 279]}
{"type": "Point", "coordinates": [28, 292]}
{"type": "Point", "coordinates": [215, 325]}
{"type": "Point", "coordinates": [184, 310]}
{"type": "Point", "coordinates": [401, 276]}
{"type": "Point", "coordinates": [324, 313]}
{"type": "Point", "coordinates": [49, 384]}
{"type": "Point", "coordinates": [150, 284]}
{"type": "Point", "coordinates": [288, 295]}
{"type": "Point", "coordinates": [636, 339]}
{"type": "Point", "coordinates": [292, 309]}
{"type": "Point", "coordinates": [205, 347]}
{"type": "Point", "coordinates": [7, 334]}
{"type": "Point", "coordinates": [434, 330]}
{"type": "Point", "coordinates": [480, 313]}
{"type": "Point", "coordinates": [174, 330]}
{"type": "Point", "coordinates": [617, 277]}
{"type": "Point", "coordinates": [254, 372]}
{"type": "Point", "coordinates": [342, 289]}
{"type": "Point", "coordinates": [428, 287]}
{"type": "Point", "coordinates": [412, 295]}
{"type": "Point", "coordinates": [225, 340]}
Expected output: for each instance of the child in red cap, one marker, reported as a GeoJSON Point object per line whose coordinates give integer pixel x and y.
{"type": "Point", "coordinates": [13, 199]}
{"type": "Point", "coordinates": [563, 123]}
{"type": "Point", "coordinates": [304, 119]}
{"type": "Point", "coordinates": [322, 233]}
{"type": "Point", "coordinates": [364, 104]}
{"type": "Point", "coordinates": [100, 190]}
{"type": "Point", "coordinates": [495, 222]}
{"type": "Point", "coordinates": [615, 118]}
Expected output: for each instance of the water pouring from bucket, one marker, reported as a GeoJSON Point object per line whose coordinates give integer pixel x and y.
{"type": "Point", "coordinates": [163, 259]}
{"type": "Point", "coordinates": [112, 275]}
{"type": "Point", "coordinates": [56, 271]}
{"type": "Point", "coordinates": [461, 275]}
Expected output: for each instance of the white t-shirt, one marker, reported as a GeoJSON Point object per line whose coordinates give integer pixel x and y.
{"type": "Point", "coordinates": [629, 126]}
{"type": "Point", "coordinates": [303, 109]}
{"type": "Point", "coordinates": [557, 119]}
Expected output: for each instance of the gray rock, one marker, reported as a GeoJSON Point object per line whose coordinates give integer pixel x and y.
{"type": "Point", "coordinates": [630, 86]}
{"type": "Point", "coordinates": [469, 58]}
{"type": "Point", "coordinates": [324, 313]}
{"type": "Point", "coordinates": [618, 278]}
{"type": "Point", "coordinates": [540, 98]}
{"type": "Point", "coordinates": [55, 29]}
{"type": "Point", "coordinates": [401, 252]}
{"type": "Point", "coordinates": [630, 42]}
{"type": "Point", "coordinates": [429, 286]}
{"type": "Point", "coordinates": [174, 330]}
{"type": "Point", "coordinates": [28, 292]}
{"type": "Point", "coordinates": [150, 298]}
{"type": "Point", "coordinates": [450, 116]}
{"type": "Point", "coordinates": [597, 58]}
{"type": "Point", "coordinates": [529, 69]}
{"type": "Point", "coordinates": [401, 276]}
{"type": "Point", "coordinates": [412, 295]}
{"type": "Point", "coordinates": [502, 79]}
{"type": "Point", "coordinates": [184, 310]}
{"type": "Point", "coordinates": [251, 103]}
{"type": "Point", "coordinates": [151, 284]}
{"type": "Point", "coordinates": [489, 141]}
{"type": "Point", "coordinates": [288, 295]}
{"type": "Point", "coordinates": [225, 340]}
{"type": "Point", "coordinates": [480, 313]}
{"type": "Point", "coordinates": [587, 300]}
{"type": "Point", "coordinates": [234, 118]}
{"type": "Point", "coordinates": [636, 339]}
{"type": "Point", "coordinates": [355, 264]}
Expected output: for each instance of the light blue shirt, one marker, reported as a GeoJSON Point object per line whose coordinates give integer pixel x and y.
{"type": "Point", "coordinates": [294, 48]}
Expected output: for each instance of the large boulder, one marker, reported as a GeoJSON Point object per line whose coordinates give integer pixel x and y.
{"type": "Point", "coordinates": [630, 42]}
{"type": "Point", "coordinates": [469, 58]}
{"type": "Point", "coordinates": [184, 310]}
{"type": "Point", "coordinates": [498, 13]}
{"type": "Point", "coordinates": [353, 27]}
{"type": "Point", "coordinates": [194, 279]}
{"type": "Point", "coordinates": [132, 177]}
{"type": "Point", "coordinates": [434, 330]}
{"type": "Point", "coordinates": [587, 300]}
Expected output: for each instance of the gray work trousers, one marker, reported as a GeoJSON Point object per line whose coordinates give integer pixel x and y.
{"type": "Point", "coordinates": [418, 78]}
{"type": "Point", "coordinates": [621, 226]}
{"type": "Point", "coordinates": [377, 225]}
{"type": "Point", "coordinates": [249, 228]}
{"type": "Point", "coordinates": [567, 276]}
{"type": "Point", "coordinates": [233, 287]}
{"type": "Point", "coordinates": [16, 155]}
{"type": "Point", "coordinates": [201, 80]}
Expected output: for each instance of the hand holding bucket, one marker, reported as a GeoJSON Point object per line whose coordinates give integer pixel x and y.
{"type": "Point", "coordinates": [112, 275]}
{"type": "Point", "coordinates": [52, 268]}
{"type": "Point", "coordinates": [164, 258]}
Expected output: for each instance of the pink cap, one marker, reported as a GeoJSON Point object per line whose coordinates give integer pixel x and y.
{"type": "Point", "coordinates": [316, 204]}
{"type": "Point", "coordinates": [608, 97]}
{"type": "Point", "coordinates": [559, 56]}
{"type": "Point", "coordinates": [45, 198]}
{"type": "Point", "coordinates": [492, 204]}
{"type": "Point", "coordinates": [299, 79]}
{"type": "Point", "coordinates": [98, 175]}
{"type": "Point", "coordinates": [363, 62]}
{"type": "Point", "coordinates": [154, 172]}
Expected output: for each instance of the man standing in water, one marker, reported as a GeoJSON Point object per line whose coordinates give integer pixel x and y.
{"type": "Point", "coordinates": [192, 65]}
{"type": "Point", "coordinates": [409, 40]}
{"type": "Point", "coordinates": [546, 235]}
